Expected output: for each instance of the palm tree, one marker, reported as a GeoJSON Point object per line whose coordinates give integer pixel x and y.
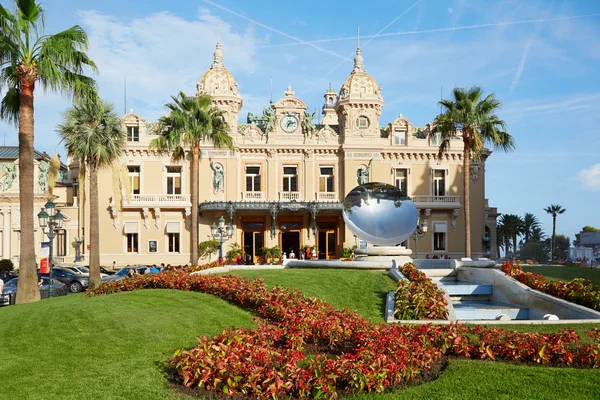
{"type": "Point", "coordinates": [530, 223]}
{"type": "Point", "coordinates": [56, 62]}
{"type": "Point", "coordinates": [191, 121]}
{"type": "Point", "coordinates": [512, 227]}
{"type": "Point", "coordinates": [501, 240]}
{"type": "Point", "coordinates": [472, 118]}
{"type": "Point", "coordinates": [93, 136]}
{"type": "Point", "coordinates": [537, 234]}
{"type": "Point", "coordinates": [554, 210]}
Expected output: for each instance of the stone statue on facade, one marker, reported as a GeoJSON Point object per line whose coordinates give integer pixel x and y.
{"type": "Point", "coordinates": [362, 173]}
{"type": "Point", "coordinates": [266, 122]}
{"type": "Point", "coordinates": [308, 128]}
{"type": "Point", "coordinates": [218, 176]}
{"type": "Point", "coordinates": [9, 173]}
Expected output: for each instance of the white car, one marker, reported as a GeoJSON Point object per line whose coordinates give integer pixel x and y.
{"type": "Point", "coordinates": [81, 270]}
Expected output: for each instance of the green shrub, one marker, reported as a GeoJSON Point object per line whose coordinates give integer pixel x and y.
{"type": "Point", "coordinates": [347, 252]}
{"type": "Point", "coordinates": [6, 265]}
{"type": "Point", "coordinates": [207, 248]}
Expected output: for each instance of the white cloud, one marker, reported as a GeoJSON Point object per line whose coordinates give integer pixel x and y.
{"type": "Point", "coordinates": [450, 10]}
{"type": "Point", "coordinates": [590, 177]}
{"type": "Point", "coordinates": [161, 54]}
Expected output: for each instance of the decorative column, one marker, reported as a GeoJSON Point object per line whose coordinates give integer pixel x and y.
{"type": "Point", "coordinates": [5, 232]}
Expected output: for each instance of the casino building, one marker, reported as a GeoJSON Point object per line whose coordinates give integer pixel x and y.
{"type": "Point", "coordinates": [285, 180]}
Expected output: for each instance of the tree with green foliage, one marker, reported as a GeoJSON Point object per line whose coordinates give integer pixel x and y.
{"type": "Point", "coordinates": [561, 246]}
{"type": "Point", "coordinates": [512, 227]}
{"type": "Point", "coordinates": [6, 265]}
{"type": "Point", "coordinates": [94, 137]}
{"type": "Point", "coordinates": [530, 223]}
{"type": "Point", "coordinates": [207, 248]}
{"type": "Point", "coordinates": [554, 210]}
{"type": "Point", "coordinates": [191, 121]}
{"type": "Point", "coordinates": [55, 62]}
{"type": "Point", "coordinates": [472, 118]}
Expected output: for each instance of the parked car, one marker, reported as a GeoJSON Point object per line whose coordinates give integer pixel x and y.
{"type": "Point", "coordinates": [75, 282]}
{"type": "Point", "coordinates": [9, 294]}
{"type": "Point", "coordinates": [124, 273]}
{"type": "Point", "coordinates": [78, 269]}
{"type": "Point", "coordinates": [107, 271]}
{"type": "Point", "coordinates": [6, 276]}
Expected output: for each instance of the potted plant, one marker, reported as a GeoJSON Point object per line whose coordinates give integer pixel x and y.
{"type": "Point", "coordinates": [275, 254]}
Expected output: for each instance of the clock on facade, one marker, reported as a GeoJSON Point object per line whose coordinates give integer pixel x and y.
{"type": "Point", "coordinates": [289, 123]}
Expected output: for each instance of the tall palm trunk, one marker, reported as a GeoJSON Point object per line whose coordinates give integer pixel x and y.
{"type": "Point", "coordinates": [553, 237]}
{"type": "Point", "coordinates": [467, 191]}
{"type": "Point", "coordinates": [27, 290]}
{"type": "Point", "coordinates": [195, 178]}
{"type": "Point", "coordinates": [94, 228]}
{"type": "Point", "coordinates": [507, 245]}
{"type": "Point", "coordinates": [515, 246]}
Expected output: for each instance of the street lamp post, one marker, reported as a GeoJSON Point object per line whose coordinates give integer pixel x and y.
{"type": "Point", "coordinates": [221, 233]}
{"type": "Point", "coordinates": [418, 234]}
{"type": "Point", "coordinates": [50, 221]}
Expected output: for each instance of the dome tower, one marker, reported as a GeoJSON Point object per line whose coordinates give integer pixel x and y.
{"type": "Point", "coordinates": [359, 102]}
{"type": "Point", "coordinates": [222, 88]}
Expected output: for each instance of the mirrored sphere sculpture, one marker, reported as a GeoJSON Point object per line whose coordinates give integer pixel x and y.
{"type": "Point", "coordinates": [380, 214]}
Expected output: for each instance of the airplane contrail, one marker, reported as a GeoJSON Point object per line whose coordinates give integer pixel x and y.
{"type": "Point", "coordinates": [298, 40]}
{"type": "Point", "coordinates": [456, 28]}
{"type": "Point", "coordinates": [371, 37]}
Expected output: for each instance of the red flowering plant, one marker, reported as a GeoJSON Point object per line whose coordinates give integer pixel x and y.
{"type": "Point", "coordinates": [419, 297]}
{"type": "Point", "coordinates": [580, 291]}
{"type": "Point", "coordinates": [305, 348]}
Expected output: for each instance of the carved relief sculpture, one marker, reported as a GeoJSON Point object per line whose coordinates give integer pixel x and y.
{"type": "Point", "coordinates": [43, 168]}
{"type": "Point", "coordinates": [8, 174]}
{"type": "Point", "coordinates": [454, 217]}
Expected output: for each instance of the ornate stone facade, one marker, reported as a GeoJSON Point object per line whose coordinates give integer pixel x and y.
{"type": "Point", "coordinates": [285, 179]}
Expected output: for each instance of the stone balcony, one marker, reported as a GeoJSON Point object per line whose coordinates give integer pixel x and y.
{"type": "Point", "coordinates": [327, 196]}
{"type": "Point", "coordinates": [253, 196]}
{"type": "Point", "coordinates": [289, 196]}
{"type": "Point", "coordinates": [437, 202]}
{"type": "Point", "coordinates": [163, 201]}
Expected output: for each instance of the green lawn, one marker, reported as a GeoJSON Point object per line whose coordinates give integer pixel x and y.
{"type": "Point", "coordinates": [361, 291]}
{"type": "Point", "coordinates": [107, 347]}
{"type": "Point", "coordinates": [566, 273]}
{"type": "Point", "coordinates": [116, 346]}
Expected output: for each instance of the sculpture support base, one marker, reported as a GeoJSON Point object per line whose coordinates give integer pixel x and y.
{"type": "Point", "coordinates": [398, 255]}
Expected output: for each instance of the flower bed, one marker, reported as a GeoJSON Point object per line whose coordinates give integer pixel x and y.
{"type": "Point", "coordinates": [419, 297]}
{"type": "Point", "coordinates": [304, 347]}
{"type": "Point", "coordinates": [579, 291]}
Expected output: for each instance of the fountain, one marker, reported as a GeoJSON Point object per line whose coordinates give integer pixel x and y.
{"type": "Point", "coordinates": [380, 214]}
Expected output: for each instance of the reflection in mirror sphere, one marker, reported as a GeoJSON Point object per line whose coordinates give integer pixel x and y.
{"type": "Point", "coordinates": [380, 214]}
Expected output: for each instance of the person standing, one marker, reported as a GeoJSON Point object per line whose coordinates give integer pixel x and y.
{"type": "Point", "coordinates": [308, 253]}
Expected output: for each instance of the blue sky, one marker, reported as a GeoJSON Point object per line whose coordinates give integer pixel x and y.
{"type": "Point", "coordinates": [541, 59]}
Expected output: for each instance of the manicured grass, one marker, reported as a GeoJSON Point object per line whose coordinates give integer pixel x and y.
{"type": "Point", "coordinates": [106, 347]}
{"type": "Point", "coordinates": [116, 346]}
{"type": "Point", "coordinates": [361, 291]}
{"type": "Point", "coordinates": [565, 273]}
{"type": "Point", "coordinates": [470, 379]}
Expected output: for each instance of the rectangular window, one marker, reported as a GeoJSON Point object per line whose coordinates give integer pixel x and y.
{"type": "Point", "coordinates": [290, 179]}
{"type": "Point", "coordinates": [439, 236]}
{"type": "Point", "coordinates": [401, 180]}
{"type": "Point", "coordinates": [132, 242]}
{"type": "Point", "coordinates": [134, 178]}
{"type": "Point", "coordinates": [439, 241]}
{"type": "Point", "coordinates": [436, 139]}
{"type": "Point", "coordinates": [439, 182]}
{"type": "Point", "coordinates": [252, 178]}
{"type": "Point", "coordinates": [173, 180]}
{"type": "Point", "coordinates": [133, 134]}
{"type": "Point", "coordinates": [326, 180]}
{"type": "Point", "coordinates": [399, 138]}
{"type": "Point", "coordinates": [173, 245]}
{"type": "Point", "coordinates": [61, 243]}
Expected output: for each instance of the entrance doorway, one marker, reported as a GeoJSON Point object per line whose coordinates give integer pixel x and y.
{"type": "Point", "coordinates": [290, 238]}
{"type": "Point", "coordinates": [290, 241]}
{"type": "Point", "coordinates": [327, 240]}
{"type": "Point", "coordinates": [253, 241]}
